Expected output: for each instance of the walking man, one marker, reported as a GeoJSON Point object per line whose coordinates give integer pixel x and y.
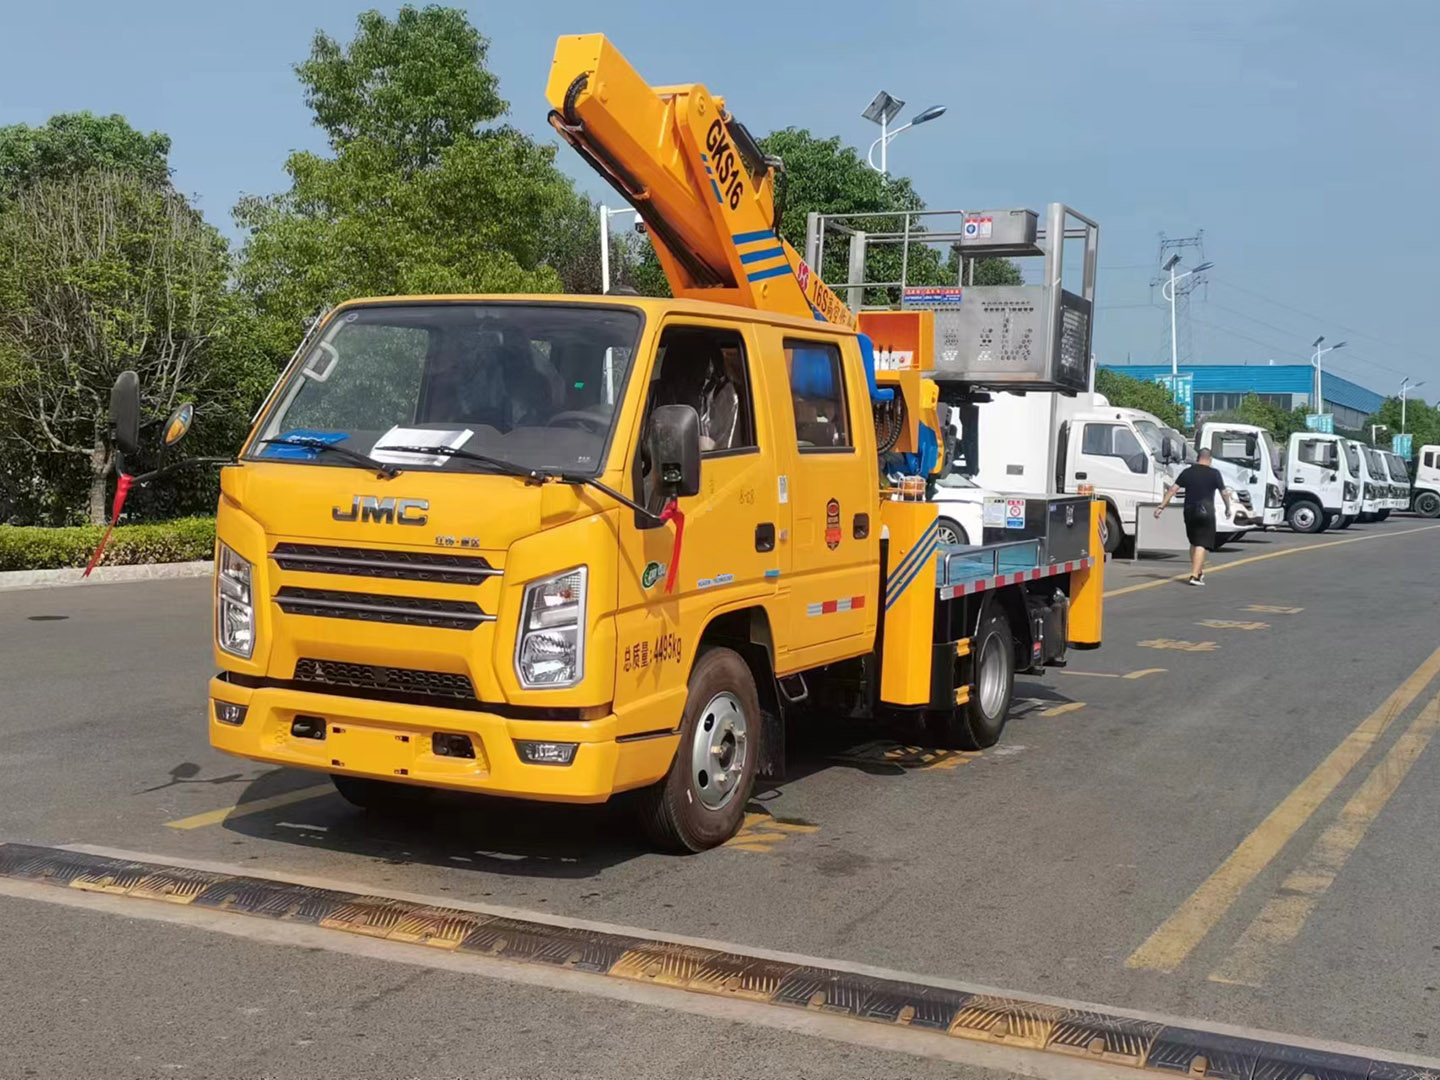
{"type": "Point", "coordinates": [1201, 481]}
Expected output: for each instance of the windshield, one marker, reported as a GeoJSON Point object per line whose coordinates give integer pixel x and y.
{"type": "Point", "coordinates": [1397, 467]}
{"type": "Point", "coordinates": [956, 480]}
{"type": "Point", "coordinates": [1352, 459]}
{"type": "Point", "coordinates": [533, 384]}
{"type": "Point", "coordinates": [1152, 434]}
{"type": "Point", "coordinates": [1377, 466]}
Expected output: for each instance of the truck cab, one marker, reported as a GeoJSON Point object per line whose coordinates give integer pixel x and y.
{"type": "Point", "coordinates": [1251, 461]}
{"type": "Point", "coordinates": [1425, 488]}
{"type": "Point", "coordinates": [1321, 488]}
{"type": "Point", "coordinates": [1372, 485]}
{"type": "Point", "coordinates": [1130, 458]}
{"type": "Point", "coordinates": [1399, 480]}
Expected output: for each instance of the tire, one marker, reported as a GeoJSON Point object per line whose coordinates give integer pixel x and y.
{"type": "Point", "coordinates": [379, 796]}
{"type": "Point", "coordinates": [1427, 504]}
{"type": "Point", "coordinates": [978, 723]}
{"type": "Point", "coordinates": [951, 531]}
{"type": "Point", "coordinates": [1381, 515]}
{"type": "Point", "coordinates": [1346, 520]}
{"type": "Point", "coordinates": [1114, 534]}
{"type": "Point", "coordinates": [1366, 517]}
{"type": "Point", "coordinates": [693, 808]}
{"type": "Point", "coordinates": [1305, 516]}
{"type": "Point", "coordinates": [1332, 521]}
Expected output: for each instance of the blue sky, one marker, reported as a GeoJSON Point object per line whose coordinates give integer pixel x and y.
{"type": "Point", "coordinates": [1299, 134]}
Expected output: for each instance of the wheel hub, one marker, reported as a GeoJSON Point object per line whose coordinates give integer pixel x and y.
{"type": "Point", "coordinates": [992, 677]}
{"type": "Point", "coordinates": [718, 749]}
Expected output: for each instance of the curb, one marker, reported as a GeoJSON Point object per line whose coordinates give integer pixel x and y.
{"type": "Point", "coordinates": [1147, 1049]}
{"type": "Point", "coordinates": [70, 575]}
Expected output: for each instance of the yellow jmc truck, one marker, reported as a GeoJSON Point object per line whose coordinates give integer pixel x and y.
{"type": "Point", "coordinates": [564, 547]}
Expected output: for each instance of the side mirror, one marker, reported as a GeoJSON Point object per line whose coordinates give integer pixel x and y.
{"type": "Point", "coordinates": [1168, 450]}
{"type": "Point", "coordinates": [125, 412]}
{"type": "Point", "coordinates": [178, 425]}
{"type": "Point", "coordinates": [675, 443]}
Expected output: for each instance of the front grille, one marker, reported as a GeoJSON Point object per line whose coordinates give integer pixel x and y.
{"type": "Point", "coordinates": [374, 677]}
{"type": "Point", "coordinates": [372, 607]}
{"type": "Point", "coordinates": [374, 562]}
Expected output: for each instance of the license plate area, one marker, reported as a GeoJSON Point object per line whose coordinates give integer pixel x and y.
{"type": "Point", "coordinates": [379, 750]}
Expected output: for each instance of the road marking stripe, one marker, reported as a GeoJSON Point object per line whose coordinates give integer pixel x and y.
{"type": "Point", "coordinates": [254, 806]}
{"type": "Point", "coordinates": [1255, 955]}
{"type": "Point", "coordinates": [1061, 710]}
{"type": "Point", "coordinates": [1145, 671]}
{"type": "Point", "coordinates": [1031, 1035]}
{"type": "Point", "coordinates": [1115, 675]}
{"type": "Point", "coordinates": [1261, 558]}
{"type": "Point", "coordinates": [1175, 938]}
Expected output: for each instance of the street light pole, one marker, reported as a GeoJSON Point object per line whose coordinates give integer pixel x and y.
{"type": "Point", "coordinates": [1405, 385]}
{"type": "Point", "coordinates": [605, 215]}
{"type": "Point", "coordinates": [1168, 291]}
{"type": "Point", "coordinates": [881, 111]}
{"type": "Point", "coordinates": [1319, 376]}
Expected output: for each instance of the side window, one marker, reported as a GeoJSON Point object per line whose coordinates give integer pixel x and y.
{"type": "Point", "coordinates": [1114, 440]}
{"type": "Point", "coordinates": [817, 389]}
{"type": "Point", "coordinates": [705, 368]}
{"type": "Point", "coordinates": [1429, 459]}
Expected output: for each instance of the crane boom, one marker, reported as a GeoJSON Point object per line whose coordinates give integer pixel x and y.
{"type": "Point", "coordinates": [704, 189]}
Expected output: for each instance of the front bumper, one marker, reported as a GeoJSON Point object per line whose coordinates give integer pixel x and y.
{"type": "Point", "coordinates": [388, 740]}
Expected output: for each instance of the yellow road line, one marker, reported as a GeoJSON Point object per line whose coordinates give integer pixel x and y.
{"type": "Point", "coordinates": [1175, 938]}
{"type": "Point", "coordinates": [1283, 917]}
{"type": "Point", "coordinates": [1061, 710]}
{"type": "Point", "coordinates": [254, 806]}
{"type": "Point", "coordinates": [1115, 675]}
{"type": "Point", "coordinates": [1124, 590]}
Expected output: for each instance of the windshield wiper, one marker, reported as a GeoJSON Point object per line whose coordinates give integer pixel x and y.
{"type": "Point", "coordinates": [530, 476]}
{"type": "Point", "coordinates": [382, 468]}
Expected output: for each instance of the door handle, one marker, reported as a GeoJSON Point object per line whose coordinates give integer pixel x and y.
{"type": "Point", "coordinates": [1082, 476]}
{"type": "Point", "coordinates": [861, 526]}
{"type": "Point", "coordinates": [765, 536]}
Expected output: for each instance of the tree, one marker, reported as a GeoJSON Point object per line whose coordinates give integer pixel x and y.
{"type": "Point", "coordinates": [72, 143]}
{"type": "Point", "coordinates": [1421, 420]}
{"type": "Point", "coordinates": [99, 273]}
{"type": "Point", "coordinates": [1131, 393]}
{"type": "Point", "coordinates": [419, 196]}
{"type": "Point", "coordinates": [1281, 423]}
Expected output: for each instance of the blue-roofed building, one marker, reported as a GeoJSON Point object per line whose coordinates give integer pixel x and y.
{"type": "Point", "coordinates": [1219, 387]}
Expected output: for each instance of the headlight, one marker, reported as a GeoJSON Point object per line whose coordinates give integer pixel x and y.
{"type": "Point", "coordinates": [550, 652]}
{"type": "Point", "coordinates": [1272, 495]}
{"type": "Point", "coordinates": [1349, 491]}
{"type": "Point", "coordinates": [234, 607]}
{"type": "Point", "coordinates": [1369, 491]}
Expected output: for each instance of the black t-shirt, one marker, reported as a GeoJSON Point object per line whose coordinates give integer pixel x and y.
{"type": "Point", "coordinates": [1201, 484]}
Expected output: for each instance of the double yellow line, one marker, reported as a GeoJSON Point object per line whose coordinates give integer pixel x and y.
{"type": "Point", "coordinates": [1283, 917]}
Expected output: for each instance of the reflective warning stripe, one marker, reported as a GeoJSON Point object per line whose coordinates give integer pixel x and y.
{"type": "Point", "coordinates": [949, 592]}
{"type": "Point", "coordinates": [830, 607]}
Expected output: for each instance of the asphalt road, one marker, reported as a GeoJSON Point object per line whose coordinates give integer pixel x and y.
{"type": "Point", "coordinates": [1224, 740]}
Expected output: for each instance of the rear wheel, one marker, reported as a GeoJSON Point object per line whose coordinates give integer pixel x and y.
{"type": "Point", "coordinates": [380, 796]}
{"type": "Point", "coordinates": [1427, 504]}
{"type": "Point", "coordinates": [701, 801]}
{"type": "Point", "coordinates": [1305, 516]}
{"type": "Point", "coordinates": [979, 722]}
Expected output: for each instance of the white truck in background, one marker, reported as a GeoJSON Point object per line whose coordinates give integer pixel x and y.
{"type": "Point", "coordinates": [1321, 488]}
{"type": "Point", "coordinates": [1425, 488]}
{"type": "Point", "coordinates": [1399, 479]}
{"type": "Point", "coordinates": [1252, 464]}
{"type": "Point", "coordinates": [1357, 456]}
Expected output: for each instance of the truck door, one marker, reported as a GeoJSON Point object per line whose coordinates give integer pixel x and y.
{"type": "Point", "coordinates": [1313, 468]}
{"type": "Point", "coordinates": [729, 547]}
{"type": "Point", "coordinates": [1111, 456]}
{"type": "Point", "coordinates": [830, 488]}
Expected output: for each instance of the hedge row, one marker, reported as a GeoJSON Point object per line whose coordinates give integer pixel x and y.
{"type": "Point", "coordinates": [36, 548]}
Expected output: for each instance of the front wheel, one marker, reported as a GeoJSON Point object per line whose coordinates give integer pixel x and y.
{"type": "Point", "coordinates": [1427, 504]}
{"type": "Point", "coordinates": [701, 801]}
{"type": "Point", "coordinates": [1346, 520]}
{"type": "Point", "coordinates": [977, 724]}
{"type": "Point", "coordinates": [1305, 516]}
{"type": "Point", "coordinates": [1381, 515]}
{"type": "Point", "coordinates": [950, 531]}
